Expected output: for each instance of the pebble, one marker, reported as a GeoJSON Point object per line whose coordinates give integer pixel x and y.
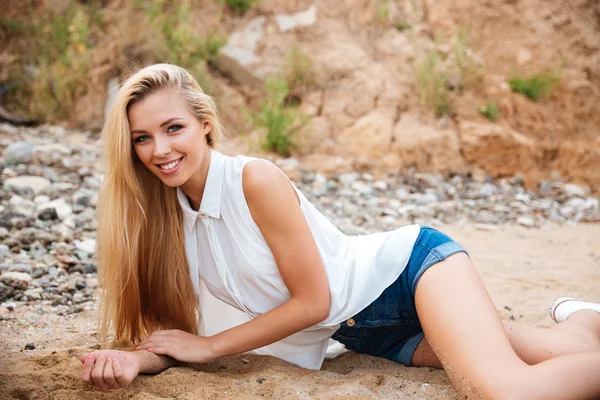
{"type": "Point", "coordinates": [49, 194]}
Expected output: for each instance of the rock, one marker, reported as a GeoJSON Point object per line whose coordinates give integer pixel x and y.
{"type": "Point", "coordinates": [51, 153]}
{"type": "Point", "coordinates": [20, 268]}
{"type": "Point", "coordinates": [526, 221]}
{"type": "Point", "coordinates": [4, 233]}
{"type": "Point", "coordinates": [82, 197]}
{"type": "Point", "coordinates": [287, 22]}
{"type": "Point", "coordinates": [6, 292]}
{"type": "Point", "coordinates": [30, 235]}
{"type": "Point", "coordinates": [238, 57]}
{"type": "Point", "coordinates": [572, 190]}
{"type": "Point", "coordinates": [34, 294]}
{"type": "Point", "coordinates": [30, 346]}
{"type": "Point", "coordinates": [21, 206]}
{"type": "Point", "coordinates": [62, 209]}
{"type": "Point", "coordinates": [16, 280]}
{"type": "Point", "coordinates": [18, 153]}
{"type": "Point", "coordinates": [421, 146]}
{"type": "Point", "coordinates": [87, 245]}
{"type": "Point", "coordinates": [41, 199]}
{"type": "Point", "coordinates": [369, 137]}
{"type": "Point", "coordinates": [21, 184]}
{"type": "Point", "coordinates": [13, 220]}
{"type": "Point", "coordinates": [496, 149]}
{"type": "Point", "coordinates": [361, 187]}
{"type": "Point", "coordinates": [48, 214]}
{"type": "Point", "coordinates": [4, 251]}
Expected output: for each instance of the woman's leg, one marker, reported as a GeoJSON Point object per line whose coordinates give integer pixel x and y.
{"type": "Point", "coordinates": [579, 334]}
{"type": "Point", "coordinates": [467, 335]}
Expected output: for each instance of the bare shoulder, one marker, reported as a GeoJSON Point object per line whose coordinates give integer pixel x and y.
{"type": "Point", "coordinates": [262, 180]}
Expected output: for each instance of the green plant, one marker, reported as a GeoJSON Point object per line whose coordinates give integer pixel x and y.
{"type": "Point", "coordinates": [489, 110]}
{"type": "Point", "coordinates": [12, 26]}
{"type": "Point", "coordinates": [178, 43]}
{"type": "Point", "coordinates": [240, 6]}
{"type": "Point", "coordinates": [58, 51]}
{"type": "Point", "coordinates": [297, 69]}
{"type": "Point", "coordinates": [402, 26]}
{"type": "Point", "coordinates": [432, 83]}
{"type": "Point", "coordinates": [538, 85]}
{"type": "Point", "coordinates": [383, 11]}
{"type": "Point", "coordinates": [470, 69]}
{"type": "Point", "coordinates": [280, 121]}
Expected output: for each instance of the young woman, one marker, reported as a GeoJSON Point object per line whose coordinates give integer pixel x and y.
{"type": "Point", "coordinates": [181, 224]}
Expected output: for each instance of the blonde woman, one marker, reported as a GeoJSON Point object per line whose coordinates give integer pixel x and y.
{"type": "Point", "coordinates": [181, 224]}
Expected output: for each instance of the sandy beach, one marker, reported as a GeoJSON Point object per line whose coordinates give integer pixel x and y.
{"type": "Point", "coordinates": [523, 269]}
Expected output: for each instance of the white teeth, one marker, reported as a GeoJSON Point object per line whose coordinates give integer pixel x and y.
{"type": "Point", "coordinates": [169, 166]}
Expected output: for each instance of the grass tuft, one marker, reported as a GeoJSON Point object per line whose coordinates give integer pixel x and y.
{"type": "Point", "coordinates": [239, 6]}
{"type": "Point", "coordinates": [536, 86]}
{"type": "Point", "coordinates": [432, 83]}
{"type": "Point", "coordinates": [278, 118]}
{"type": "Point", "coordinates": [489, 110]}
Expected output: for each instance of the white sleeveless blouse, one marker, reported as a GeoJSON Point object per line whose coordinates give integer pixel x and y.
{"type": "Point", "coordinates": [230, 261]}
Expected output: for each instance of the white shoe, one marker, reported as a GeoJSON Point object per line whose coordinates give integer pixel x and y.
{"type": "Point", "coordinates": [562, 307]}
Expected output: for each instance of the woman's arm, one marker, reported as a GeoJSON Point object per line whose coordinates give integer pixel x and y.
{"type": "Point", "coordinates": [275, 208]}
{"type": "Point", "coordinates": [113, 369]}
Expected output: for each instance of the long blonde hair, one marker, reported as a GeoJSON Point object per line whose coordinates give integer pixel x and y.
{"type": "Point", "coordinates": [143, 270]}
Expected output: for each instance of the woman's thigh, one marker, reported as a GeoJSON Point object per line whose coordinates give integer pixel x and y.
{"type": "Point", "coordinates": [463, 327]}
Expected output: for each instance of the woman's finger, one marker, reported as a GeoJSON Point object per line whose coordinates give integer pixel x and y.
{"type": "Point", "coordinates": [109, 375]}
{"type": "Point", "coordinates": [157, 343]}
{"type": "Point", "coordinates": [98, 373]}
{"type": "Point", "coordinates": [118, 372]}
{"type": "Point", "coordinates": [167, 351]}
{"type": "Point", "coordinates": [88, 366]}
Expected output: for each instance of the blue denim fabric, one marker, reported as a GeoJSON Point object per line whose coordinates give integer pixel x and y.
{"type": "Point", "coordinates": [389, 327]}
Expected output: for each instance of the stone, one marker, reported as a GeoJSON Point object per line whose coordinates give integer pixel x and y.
{"type": "Point", "coordinates": [18, 153]}
{"type": "Point", "coordinates": [526, 221]}
{"type": "Point", "coordinates": [50, 153]}
{"type": "Point", "coordinates": [496, 149]}
{"type": "Point", "coordinates": [572, 190]}
{"type": "Point", "coordinates": [287, 22]}
{"type": "Point", "coordinates": [238, 57]}
{"type": "Point", "coordinates": [82, 197]}
{"type": "Point", "coordinates": [369, 137]}
{"type": "Point", "coordinates": [87, 245]}
{"type": "Point", "coordinates": [63, 210]}
{"type": "Point", "coordinates": [41, 199]}
{"type": "Point", "coordinates": [48, 214]}
{"type": "Point", "coordinates": [18, 280]}
{"type": "Point", "coordinates": [425, 148]}
{"type": "Point", "coordinates": [20, 268]}
{"type": "Point", "coordinates": [20, 184]}
{"type": "Point", "coordinates": [13, 220]}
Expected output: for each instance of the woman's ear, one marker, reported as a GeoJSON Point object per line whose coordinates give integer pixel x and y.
{"type": "Point", "coordinates": [206, 127]}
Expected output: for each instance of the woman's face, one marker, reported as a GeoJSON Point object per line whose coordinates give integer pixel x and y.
{"type": "Point", "coordinates": [167, 137]}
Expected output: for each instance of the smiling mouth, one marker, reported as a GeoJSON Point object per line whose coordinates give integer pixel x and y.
{"type": "Point", "coordinates": [171, 165]}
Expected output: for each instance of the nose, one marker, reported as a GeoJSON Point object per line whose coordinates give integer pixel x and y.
{"type": "Point", "coordinates": [162, 147]}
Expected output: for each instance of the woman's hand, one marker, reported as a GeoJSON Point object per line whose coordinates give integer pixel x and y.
{"type": "Point", "coordinates": [180, 345]}
{"type": "Point", "coordinates": [109, 369]}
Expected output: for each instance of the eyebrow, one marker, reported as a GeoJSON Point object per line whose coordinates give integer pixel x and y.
{"type": "Point", "coordinates": [161, 125]}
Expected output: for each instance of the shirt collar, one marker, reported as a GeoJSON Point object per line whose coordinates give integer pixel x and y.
{"type": "Point", "coordinates": [210, 204]}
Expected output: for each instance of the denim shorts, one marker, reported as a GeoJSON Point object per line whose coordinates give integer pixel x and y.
{"type": "Point", "coordinates": [389, 327]}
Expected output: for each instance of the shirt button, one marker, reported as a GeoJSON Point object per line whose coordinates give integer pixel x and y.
{"type": "Point", "coordinates": [350, 322]}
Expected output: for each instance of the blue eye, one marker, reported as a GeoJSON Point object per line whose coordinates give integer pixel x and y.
{"type": "Point", "coordinates": [174, 126]}
{"type": "Point", "coordinates": [139, 139]}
